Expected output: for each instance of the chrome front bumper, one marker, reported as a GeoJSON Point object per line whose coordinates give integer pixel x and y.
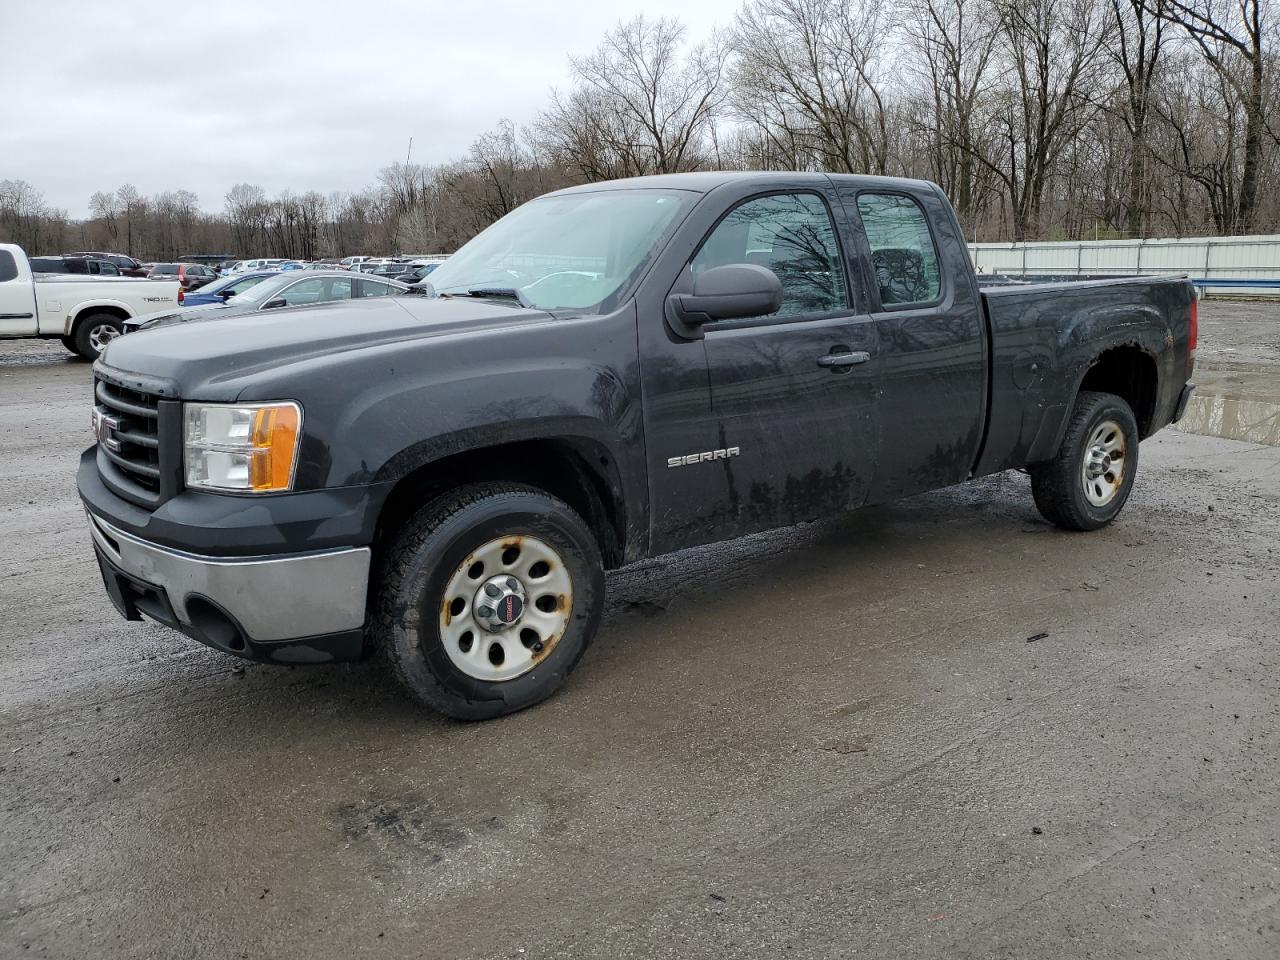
{"type": "Point", "coordinates": [269, 599]}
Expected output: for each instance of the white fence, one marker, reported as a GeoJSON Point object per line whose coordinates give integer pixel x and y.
{"type": "Point", "coordinates": [1220, 265]}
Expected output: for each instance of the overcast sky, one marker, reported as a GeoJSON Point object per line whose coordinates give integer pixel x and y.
{"type": "Point", "coordinates": [285, 93]}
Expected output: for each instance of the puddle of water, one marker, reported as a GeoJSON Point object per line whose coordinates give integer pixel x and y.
{"type": "Point", "coordinates": [1257, 421]}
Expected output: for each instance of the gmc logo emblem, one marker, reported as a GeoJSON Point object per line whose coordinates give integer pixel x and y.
{"type": "Point", "coordinates": [104, 428]}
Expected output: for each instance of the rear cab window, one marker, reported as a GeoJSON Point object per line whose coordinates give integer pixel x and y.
{"type": "Point", "coordinates": [904, 257]}
{"type": "Point", "coordinates": [8, 267]}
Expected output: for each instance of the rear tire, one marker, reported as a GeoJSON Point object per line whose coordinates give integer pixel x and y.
{"type": "Point", "coordinates": [94, 332]}
{"type": "Point", "coordinates": [1086, 484]}
{"type": "Point", "coordinates": [444, 644]}
{"type": "Point", "coordinates": [69, 343]}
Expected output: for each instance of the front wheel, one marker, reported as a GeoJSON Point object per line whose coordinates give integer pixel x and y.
{"type": "Point", "coordinates": [1086, 484]}
{"type": "Point", "coordinates": [489, 598]}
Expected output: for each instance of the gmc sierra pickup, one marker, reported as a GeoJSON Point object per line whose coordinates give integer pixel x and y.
{"type": "Point", "coordinates": [610, 372]}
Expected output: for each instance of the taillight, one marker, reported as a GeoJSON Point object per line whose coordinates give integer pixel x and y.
{"type": "Point", "coordinates": [182, 295]}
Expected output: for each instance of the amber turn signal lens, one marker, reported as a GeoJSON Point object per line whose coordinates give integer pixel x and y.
{"type": "Point", "coordinates": [275, 442]}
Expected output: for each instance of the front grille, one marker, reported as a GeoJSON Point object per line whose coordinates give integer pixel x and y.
{"type": "Point", "coordinates": [132, 454]}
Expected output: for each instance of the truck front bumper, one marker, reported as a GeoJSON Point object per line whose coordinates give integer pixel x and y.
{"type": "Point", "coordinates": [293, 608]}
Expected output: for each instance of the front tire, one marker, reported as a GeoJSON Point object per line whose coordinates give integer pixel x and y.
{"type": "Point", "coordinates": [93, 333]}
{"type": "Point", "coordinates": [1086, 484]}
{"type": "Point", "coordinates": [490, 596]}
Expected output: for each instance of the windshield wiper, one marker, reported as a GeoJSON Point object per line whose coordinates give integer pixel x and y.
{"type": "Point", "coordinates": [499, 293]}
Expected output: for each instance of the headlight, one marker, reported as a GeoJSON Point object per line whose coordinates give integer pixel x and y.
{"type": "Point", "coordinates": [250, 447]}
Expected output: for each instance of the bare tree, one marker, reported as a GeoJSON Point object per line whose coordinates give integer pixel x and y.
{"type": "Point", "coordinates": [955, 42]}
{"type": "Point", "coordinates": [1136, 48]}
{"type": "Point", "coordinates": [808, 78]}
{"type": "Point", "coordinates": [1050, 50]}
{"type": "Point", "coordinates": [133, 208]}
{"type": "Point", "coordinates": [1233, 37]}
{"type": "Point", "coordinates": [641, 103]}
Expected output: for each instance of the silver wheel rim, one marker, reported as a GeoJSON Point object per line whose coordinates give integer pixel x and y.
{"type": "Point", "coordinates": [505, 608]}
{"type": "Point", "coordinates": [101, 334]}
{"type": "Point", "coordinates": [1103, 471]}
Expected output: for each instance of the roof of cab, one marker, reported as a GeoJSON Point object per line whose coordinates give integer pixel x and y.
{"type": "Point", "coordinates": [708, 180]}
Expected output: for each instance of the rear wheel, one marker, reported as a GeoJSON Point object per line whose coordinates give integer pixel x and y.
{"type": "Point", "coordinates": [69, 343]}
{"type": "Point", "coordinates": [1086, 484]}
{"type": "Point", "coordinates": [93, 333]}
{"type": "Point", "coordinates": [490, 596]}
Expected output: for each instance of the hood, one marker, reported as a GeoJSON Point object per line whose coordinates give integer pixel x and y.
{"type": "Point", "coordinates": [200, 311]}
{"type": "Point", "coordinates": [214, 361]}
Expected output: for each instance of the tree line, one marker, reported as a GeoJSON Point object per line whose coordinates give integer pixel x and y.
{"type": "Point", "coordinates": [1041, 119]}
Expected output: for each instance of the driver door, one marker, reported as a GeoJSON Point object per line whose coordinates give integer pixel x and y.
{"type": "Point", "coordinates": [791, 430]}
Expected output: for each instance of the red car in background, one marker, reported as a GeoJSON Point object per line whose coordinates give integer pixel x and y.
{"type": "Point", "coordinates": [190, 275]}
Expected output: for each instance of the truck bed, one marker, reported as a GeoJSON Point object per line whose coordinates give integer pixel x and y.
{"type": "Point", "coordinates": [1041, 338]}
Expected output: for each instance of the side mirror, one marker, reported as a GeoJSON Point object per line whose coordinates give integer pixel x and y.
{"type": "Point", "coordinates": [227, 295]}
{"type": "Point", "coordinates": [734, 291]}
{"type": "Point", "coordinates": [277, 302]}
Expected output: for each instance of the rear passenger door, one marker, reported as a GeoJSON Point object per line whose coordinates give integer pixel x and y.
{"type": "Point", "coordinates": [932, 347]}
{"type": "Point", "coordinates": [793, 394]}
{"type": "Point", "coordinates": [316, 290]}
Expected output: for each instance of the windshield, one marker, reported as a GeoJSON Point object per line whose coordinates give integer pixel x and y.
{"type": "Point", "coordinates": [578, 251]}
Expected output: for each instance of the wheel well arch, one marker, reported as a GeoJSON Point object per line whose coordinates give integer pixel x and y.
{"type": "Point", "coordinates": [1129, 372]}
{"type": "Point", "coordinates": [582, 472]}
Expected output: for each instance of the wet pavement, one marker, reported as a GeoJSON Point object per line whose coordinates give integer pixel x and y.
{"type": "Point", "coordinates": [1237, 373]}
{"type": "Point", "coordinates": [835, 740]}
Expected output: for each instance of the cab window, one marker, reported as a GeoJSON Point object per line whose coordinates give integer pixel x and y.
{"type": "Point", "coordinates": [903, 256]}
{"type": "Point", "coordinates": [372, 288]}
{"type": "Point", "coordinates": [790, 234]}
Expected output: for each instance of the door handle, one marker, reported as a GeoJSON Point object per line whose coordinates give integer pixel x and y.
{"type": "Point", "coordinates": [844, 359]}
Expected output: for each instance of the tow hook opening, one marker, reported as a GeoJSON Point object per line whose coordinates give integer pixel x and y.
{"type": "Point", "coordinates": [215, 626]}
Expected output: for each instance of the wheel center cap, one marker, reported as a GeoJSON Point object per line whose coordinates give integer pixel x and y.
{"type": "Point", "coordinates": [499, 603]}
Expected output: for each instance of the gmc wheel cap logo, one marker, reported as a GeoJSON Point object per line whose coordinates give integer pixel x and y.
{"type": "Point", "coordinates": [511, 608]}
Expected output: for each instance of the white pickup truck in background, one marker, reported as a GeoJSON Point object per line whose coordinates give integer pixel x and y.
{"type": "Point", "coordinates": [84, 312]}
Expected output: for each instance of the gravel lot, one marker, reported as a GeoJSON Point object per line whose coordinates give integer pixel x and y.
{"type": "Point", "coordinates": [831, 741]}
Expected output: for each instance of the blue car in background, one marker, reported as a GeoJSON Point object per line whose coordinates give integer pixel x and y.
{"type": "Point", "coordinates": [291, 265]}
{"type": "Point", "coordinates": [224, 288]}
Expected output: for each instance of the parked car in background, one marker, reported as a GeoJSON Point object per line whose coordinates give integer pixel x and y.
{"type": "Point", "coordinates": [89, 266]}
{"type": "Point", "coordinates": [192, 276]}
{"type": "Point", "coordinates": [224, 288]}
{"type": "Point", "coordinates": [414, 272]}
{"type": "Point", "coordinates": [127, 265]}
{"type": "Point", "coordinates": [291, 265]}
{"type": "Point", "coordinates": [350, 263]}
{"type": "Point", "coordinates": [296, 289]}
{"type": "Point", "coordinates": [84, 312]}
{"type": "Point", "coordinates": [225, 267]}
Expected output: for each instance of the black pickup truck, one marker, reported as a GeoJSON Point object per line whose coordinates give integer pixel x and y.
{"type": "Point", "coordinates": [610, 372]}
